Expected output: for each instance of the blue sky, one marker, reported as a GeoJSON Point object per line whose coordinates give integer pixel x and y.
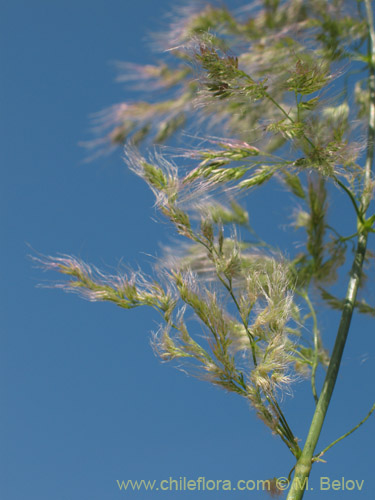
{"type": "Point", "coordinates": [84, 400]}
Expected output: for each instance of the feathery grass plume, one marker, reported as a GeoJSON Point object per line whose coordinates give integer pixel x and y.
{"type": "Point", "coordinates": [275, 44]}
{"type": "Point", "coordinates": [94, 285]}
{"type": "Point", "coordinates": [173, 197]}
{"type": "Point", "coordinates": [221, 214]}
{"type": "Point", "coordinates": [194, 19]}
{"type": "Point", "coordinates": [234, 315]}
{"type": "Point", "coordinates": [136, 120]}
{"type": "Point", "coordinates": [219, 166]}
{"type": "Point", "coordinates": [362, 98]}
{"type": "Point", "coordinates": [151, 76]}
{"type": "Point", "coordinates": [324, 255]}
{"type": "Point", "coordinates": [317, 224]}
{"type": "Point", "coordinates": [136, 290]}
{"type": "Point", "coordinates": [229, 361]}
{"type": "Point", "coordinates": [214, 163]}
{"type": "Point", "coordinates": [184, 197]}
{"type": "Point", "coordinates": [221, 76]}
{"type": "Point", "coordinates": [249, 278]}
{"type": "Point", "coordinates": [218, 365]}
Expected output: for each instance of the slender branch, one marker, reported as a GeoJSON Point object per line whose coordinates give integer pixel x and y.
{"type": "Point", "coordinates": [311, 143]}
{"type": "Point", "coordinates": [290, 473]}
{"type": "Point", "coordinates": [352, 199]}
{"type": "Point", "coordinates": [211, 250]}
{"type": "Point", "coordinates": [297, 105]}
{"type": "Point", "coordinates": [283, 428]}
{"type": "Point", "coordinates": [316, 346]}
{"type": "Point", "coordinates": [297, 450]}
{"type": "Point", "coordinates": [244, 322]}
{"type": "Point", "coordinates": [270, 98]}
{"type": "Point", "coordinates": [303, 466]}
{"type": "Point", "coordinates": [317, 457]}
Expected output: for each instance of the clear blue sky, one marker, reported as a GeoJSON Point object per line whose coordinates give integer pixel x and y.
{"type": "Point", "coordinates": [84, 401]}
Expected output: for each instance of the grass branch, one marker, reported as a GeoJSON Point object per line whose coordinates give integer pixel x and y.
{"type": "Point", "coordinates": [316, 347]}
{"type": "Point", "coordinates": [319, 455]}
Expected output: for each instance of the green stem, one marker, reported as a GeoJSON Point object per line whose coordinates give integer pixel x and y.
{"type": "Point", "coordinates": [303, 466]}
{"type": "Point", "coordinates": [304, 463]}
